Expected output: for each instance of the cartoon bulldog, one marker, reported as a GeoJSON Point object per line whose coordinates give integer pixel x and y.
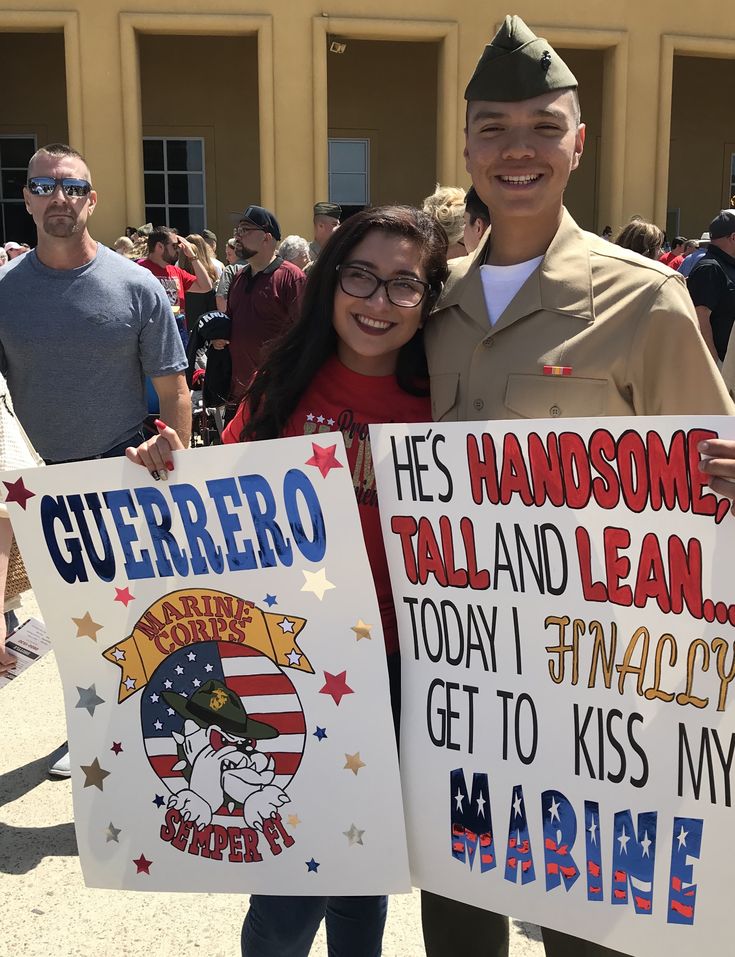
{"type": "Point", "coordinates": [217, 751]}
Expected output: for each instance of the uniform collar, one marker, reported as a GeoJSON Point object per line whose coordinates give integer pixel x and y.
{"type": "Point", "coordinates": [562, 283]}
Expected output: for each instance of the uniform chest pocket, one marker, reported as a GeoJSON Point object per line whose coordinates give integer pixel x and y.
{"type": "Point", "coordinates": [444, 388]}
{"type": "Point", "coordinates": [539, 397]}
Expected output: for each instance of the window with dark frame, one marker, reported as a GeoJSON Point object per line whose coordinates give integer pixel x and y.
{"type": "Point", "coordinates": [174, 178]}
{"type": "Point", "coordinates": [15, 223]}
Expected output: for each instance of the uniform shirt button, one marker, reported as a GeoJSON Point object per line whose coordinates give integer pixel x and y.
{"type": "Point", "coordinates": [488, 343]}
{"type": "Point", "coordinates": [479, 404]}
{"type": "Point", "coordinates": [555, 410]}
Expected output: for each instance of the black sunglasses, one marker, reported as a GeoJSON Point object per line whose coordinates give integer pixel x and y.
{"type": "Point", "coordinates": [46, 185]}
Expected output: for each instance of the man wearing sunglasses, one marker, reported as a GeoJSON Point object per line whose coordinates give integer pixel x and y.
{"type": "Point", "coordinates": [81, 328]}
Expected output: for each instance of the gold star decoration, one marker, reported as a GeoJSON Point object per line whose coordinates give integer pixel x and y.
{"type": "Point", "coordinates": [294, 820]}
{"type": "Point", "coordinates": [354, 763]}
{"type": "Point", "coordinates": [86, 626]}
{"type": "Point", "coordinates": [354, 835]}
{"type": "Point", "coordinates": [317, 583]}
{"type": "Point", "coordinates": [94, 775]}
{"type": "Point", "coordinates": [361, 629]}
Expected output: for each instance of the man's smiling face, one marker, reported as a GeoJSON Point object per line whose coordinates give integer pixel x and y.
{"type": "Point", "coordinates": [520, 155]}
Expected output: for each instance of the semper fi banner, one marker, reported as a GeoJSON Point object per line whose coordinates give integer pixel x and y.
{"type": "Point", "coordinates": [219, 642]}
{"type": "Point", "coordinates": [566, 611]}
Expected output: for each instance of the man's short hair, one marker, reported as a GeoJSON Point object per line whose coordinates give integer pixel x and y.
{"type": "Point", "coordinates": [56, 149]}
{"type": "Point", "coordinates": [159, 234]}
{"type": "Point", "coordinates": [679, 241]}
{"type": "Point", "coordinates": [476, 208]}
{"type": "Point", "coordinates": [209, 236]}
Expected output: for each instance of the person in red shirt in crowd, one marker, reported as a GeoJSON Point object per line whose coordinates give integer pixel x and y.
{"type": "Point", "coordinates": [354, 358]}
{"type": "Point", "coordinates": [164, 246]}
{"type": "Point", "coordinates": [675, 258]}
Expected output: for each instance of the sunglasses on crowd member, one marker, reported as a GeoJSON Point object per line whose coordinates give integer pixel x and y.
{"type": "Point", "coordinates": [46, 185]}
{"type": "Point", "coordinates": [362, 284]}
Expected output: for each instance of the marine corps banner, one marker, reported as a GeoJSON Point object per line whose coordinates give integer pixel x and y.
{"type": "Point", "coordinates": [567, 621]}
{"type": "Point", "coordinates": [219, 642]}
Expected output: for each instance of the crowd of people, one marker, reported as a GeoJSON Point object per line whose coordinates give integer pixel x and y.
{"type": "Point", "coordinates": [382, 313]}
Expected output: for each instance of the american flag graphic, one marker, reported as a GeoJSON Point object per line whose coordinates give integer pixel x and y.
{"type": "Point", "coordinates": [265, 691]}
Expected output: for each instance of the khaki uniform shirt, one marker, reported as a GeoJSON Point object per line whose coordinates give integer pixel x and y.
{"type": "Point", "coordinates": [624, 325]}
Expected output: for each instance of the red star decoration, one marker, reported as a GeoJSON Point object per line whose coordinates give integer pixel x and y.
{"type": "Point", "coordinates": [123, 595]}
{"type": "Point", "coordinates": [324, 458]}
{"type": "Point", "coordinates": [142, 865]}
{"type": "Point", "coordinates": [336, 686]}
{"type": "Point", "coordinates": [17, 492]}
{"type": "Point", "coordinates": [116, 747]}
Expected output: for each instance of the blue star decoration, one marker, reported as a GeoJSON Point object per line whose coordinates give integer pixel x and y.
{"type": "Point", "coordinates": [312, 866]}
{"type": "Point", "coordinates": [158, 800]}
{"type": "Point", "coordinates": [320, 734]}
{"type": "Point", "coordinates": [270, 600]}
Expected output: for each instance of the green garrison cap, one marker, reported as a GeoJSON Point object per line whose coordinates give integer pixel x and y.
{"type": "Point", "coordinates": [518, 65]}
{"type": "Point", "coordinates": [328, 209]}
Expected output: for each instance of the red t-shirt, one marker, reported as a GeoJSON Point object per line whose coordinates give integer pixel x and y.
{"type": "Point", "coordinates": [174, 280]}
{"type": "Point", "coordinates": [670, 260]}
{"type": "Point", "coordinates": [340, 399]}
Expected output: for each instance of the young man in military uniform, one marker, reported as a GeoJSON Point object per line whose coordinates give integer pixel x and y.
{"type": "Point", "coordinates": [326, 220]}
{"type": "Point", "coordinates": [546, 320]}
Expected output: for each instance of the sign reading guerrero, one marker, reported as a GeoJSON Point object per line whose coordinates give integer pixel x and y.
{"type": "Point", "coordinates": [224, 672]}
{"type": "Point", "coordinates": [566, 611]}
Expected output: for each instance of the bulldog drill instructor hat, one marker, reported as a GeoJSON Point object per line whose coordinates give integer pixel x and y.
{"type": "Point", "coordinates": [517, 65]}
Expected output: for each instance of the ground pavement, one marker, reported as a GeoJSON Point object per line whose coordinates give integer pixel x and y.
{"type": "Point", "coordinates": [48, 910]}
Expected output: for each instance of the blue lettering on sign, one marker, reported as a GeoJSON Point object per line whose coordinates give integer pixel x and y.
{"type": "Point", "coordinates": [127, 534]}
{"type": "Point", "coordinates": [560, 833]}
{"type": "Point", "coordinates": [177, 530]}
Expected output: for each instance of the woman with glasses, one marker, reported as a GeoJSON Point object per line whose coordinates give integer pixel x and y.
{"type": "Point", "coordinates": [355, 358]}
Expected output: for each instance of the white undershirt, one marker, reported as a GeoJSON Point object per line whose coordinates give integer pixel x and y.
{"type": "Point", "coordinates": [501, 283]}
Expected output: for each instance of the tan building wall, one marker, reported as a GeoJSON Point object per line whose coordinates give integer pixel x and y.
{"type": "Point", "coordinates": [702, 140]}
{"type": "Point", "coordinates": [637, 46]}
{"type": "Point", "coordinates": [387, 92]}
{"type": "Point", "coordinates": [207, 87]}
{"type": "Point", "coordinates": [581, 196]}
{"type": "Point", "coordinates": [33, 100]}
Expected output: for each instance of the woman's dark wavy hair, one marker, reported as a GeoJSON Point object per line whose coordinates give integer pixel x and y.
{"type": "Point", "coordinates": [290, 367]}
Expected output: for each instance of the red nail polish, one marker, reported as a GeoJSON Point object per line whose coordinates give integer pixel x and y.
{"type": "Point", "coordinates": [170, 466]}
{"type": "Point", "coordinates": [160, 424]}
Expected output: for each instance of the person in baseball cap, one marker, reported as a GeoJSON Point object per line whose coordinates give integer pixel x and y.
{"type": "Point", "coordinates": [259, 218]}
{"type": "Point", "coordinates": [14, 249]}
{"type": "Point", "coordinates": [711, 285]}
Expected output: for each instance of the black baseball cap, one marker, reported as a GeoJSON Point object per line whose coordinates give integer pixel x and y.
{"type": "Point", "coordinates": [723, 224]}
{"type": "Point", "coordinates": [263, 219]}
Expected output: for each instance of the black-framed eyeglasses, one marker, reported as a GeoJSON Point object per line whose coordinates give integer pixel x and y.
{"type": "Point", "coordinates": [46, 185]}
{"type": "Point", "coordinates": [241, 230]}
{"type": "Point", "coordinates": [362, 284]}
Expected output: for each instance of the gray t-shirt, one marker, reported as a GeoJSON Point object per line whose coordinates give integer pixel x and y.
{"type": "Point", "coordinates": [228, 274]}
{"type": "Point", "coordinates": [75, 347]}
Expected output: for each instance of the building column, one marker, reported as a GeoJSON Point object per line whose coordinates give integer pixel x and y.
{"type": "Point", "coordinates": [646, 101]}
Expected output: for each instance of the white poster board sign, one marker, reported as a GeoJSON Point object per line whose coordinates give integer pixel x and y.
{"type": "Point", "coordinates": [566, 611]}
{"type": "Point", "coordinates": [228, 728]}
